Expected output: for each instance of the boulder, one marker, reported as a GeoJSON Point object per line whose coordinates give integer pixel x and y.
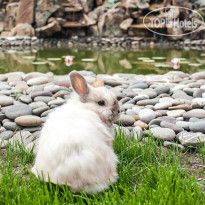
{"type": "Point", "coordinates": [22, 29]}
{"type": "Point", "coordinates": [26, 11]}
{"type": "Point", "coordinates": [126, 24]}
{"type": "Point", "coordinates": [11, 14]}
{"type": "Point", "coordinates": [44, 9]}
{"type": "Point", "coordinates": [48, 30]}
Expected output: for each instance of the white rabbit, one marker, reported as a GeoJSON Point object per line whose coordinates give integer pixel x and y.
{"type": "Point", "coordinates": [75, 146]}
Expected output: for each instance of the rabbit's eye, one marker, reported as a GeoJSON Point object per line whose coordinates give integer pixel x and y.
{"type": "Point", "coordinates": [101, 102]}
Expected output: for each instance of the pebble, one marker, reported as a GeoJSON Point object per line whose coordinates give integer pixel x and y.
{"type": "Point", "coordinates": [163, 133]}
{"type": "Point", "coordinates": [198, 113]}
{"type": "Point", "coordinates": [141, 124]}
{"type": "Point", "coordinates": [198, 126]}
{"type": "Point", "coordinates": [36, 105]}
{"type": "Point", "coordinates": [11, 126]}
{"type": "Point", "coordinates": [40, 93]}
{"type": "Point", "coordinates": [6, 101]}
{"type": "Point", "coordinates": [146, 115]}
{"type": "Point", "coordinates": [175, 113]}
{"type": "Point", "coordinates": [25, 99]}
{"type": "Point", "coordinates": [183, 124]}
{"type": "Point", "coordinates": [182, 106]}
{"type": "Point", "coordinates": [191, 139]}
{"type": "Point", "coordinates": [162, 105]}
{"type": "Point", "coordinates": [122, 130]}
{"type": "Point", "coordinates": [162, 89]}
{"type": "Point", "coordinates": [44, 99]}
{"type": "Point", "coordinates": [126, 120]}
{"type": "Point", "coordinates": [6, 135]}
{"type": "Point", "coordinates": [15, 111]}
{"type": "Point", "coordinates": [22, 138]}
{"type": "Point", "coordinates": [37, 81]}
{"type": "Point", "coordinates": [171, 126]}
{"type": "Point", "coordinates": [174, 145]}
{"type": "Point", "coordinates": [137, 133]}
{"type": "Point", "coordinates": [40, 110]}
{"type": "Point", "coordinates": [148, 102]}
{"type": "Point", "coordinates": [28, 121]}
{"type": "Point", "coordinates": [58, 101]}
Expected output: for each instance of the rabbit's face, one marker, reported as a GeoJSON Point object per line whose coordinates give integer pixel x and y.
{"type": "Point", "coordinates": [103, 102]}
{"type": "Point", "coordinates": [100, 100]}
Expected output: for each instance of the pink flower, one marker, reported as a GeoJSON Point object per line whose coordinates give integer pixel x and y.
{"type": "Point", "coordinates": [68, 60]}
{"type": "Point", "coordinates": [176, 63]}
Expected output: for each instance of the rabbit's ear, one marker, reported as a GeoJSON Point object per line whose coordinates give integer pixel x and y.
{"type": "Point", "coordinates": [79, 84]}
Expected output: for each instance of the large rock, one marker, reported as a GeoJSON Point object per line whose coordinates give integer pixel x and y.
{"type": "Point", "coordinates": [48, 30]}
{"type": "Point", "coordinates": [109, 23]}
{"type": "Point", "coordinates": [11, 14]}
{"type": "Point", "coordinates": [26, 11]}
{"type": "Point", "coordinates": [44, 9]}
{"type": "Point", "coordinates": [22, 29]}
{"type": "Point", "coordinates": [88, 5]}
{"type": "Point", "coordinates": [126, 24]}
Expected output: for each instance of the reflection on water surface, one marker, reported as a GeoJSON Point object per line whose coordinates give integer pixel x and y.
{"type": "Point", "coordinates": [139, 61]}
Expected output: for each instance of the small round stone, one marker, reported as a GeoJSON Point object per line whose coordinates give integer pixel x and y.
{"type": "Point", "coordinates": [11, 126]}
{"type": "Point", "coordinates": [163, 133]}
{"type": "Point", "coordinates": [15, 111]}
{"type": "Point", "coordinates": [37, 81]}
{"type": "Point", "coordinates": [6, 101]}
{"type": "Point", "coordinates": [6, 135]}
{"type": "Point", "coordinates": [29, 121]}
{"type": "Point", "coordinates": [146, 115]}
{"type": "Point", "coordinates": [126, 120]}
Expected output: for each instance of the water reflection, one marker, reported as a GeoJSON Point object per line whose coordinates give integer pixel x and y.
{"type": "Point", "coordinates": [139, 61]}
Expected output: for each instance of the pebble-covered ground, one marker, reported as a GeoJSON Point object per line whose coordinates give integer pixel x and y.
{"type": "Point", "coordinates": [170, 106]}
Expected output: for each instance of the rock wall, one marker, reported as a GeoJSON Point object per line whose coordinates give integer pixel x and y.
{"type": "Point", "coordinates": [96, 18]}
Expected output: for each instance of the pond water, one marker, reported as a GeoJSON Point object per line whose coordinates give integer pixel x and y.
{"type": "Point", "coordinates": [139, 61]}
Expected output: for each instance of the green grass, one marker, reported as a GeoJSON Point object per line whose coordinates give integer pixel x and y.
{"type": "Point", "coordinates": [148, 174]}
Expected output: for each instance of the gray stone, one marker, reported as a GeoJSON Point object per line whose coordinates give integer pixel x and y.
{"type": "Point", "coordinates": [22, 138]}
{"type": "Point", "coordinates": [35, 88]}
{"type": "Point", "coordinates": [130, 112]}
{"type": "Point", "coordinates": [37, 81]}
{"type": "Point", "coordinates": [163, 133]}
{"type": "Point", "coordinates": [171, 126]}
{"type": "Point", "coordinates": [40, 110]}
{"type": "Point", "coordinates": [183, 124]}
{"type": "Point", "coordinates": [44, 99]}
{"type": "Point", "coordinates": [150, 93]}
{"type": "Point", "coordinates": [198, 126]}
{"type": "Point", "coordinates": [6, 101]}
{"type": "Point", "coordinates": [6, 135]}
{"type": "Point", "coordinates": [137, 133]}
{"type": "Point", "coordinates": [122, 130]}
{"type": "Point", "coordinates": [146, 115]}
{"type": "Point", "coordinates": [166, 100]}
{"type": "Point", "coordinates": [154, 122]}
{"type": "Point", "coordinates": [140, 97]}
{"type": "Point", "coordinates": [162, 89]}
{"type": "Point", "coordinates": [136, 110]}
{"type": "Point", "coordinates": [175, 113]}
{"type": "Point", "coordinates": [11, 126]}
{"type": "Point", "coordinates": [198, 75]}
{"type": "Point", "coordinates": [15, 111]}
{"type": "Point", "coordinates": [52, 88]}
{"type": "Point", "coordinates": [148, 102]}
{"type": "Point", "coordinates": [25, 99]}
{"type": "Point", "coordinates": [162, 105]}
{"type": "Point", "coordinates": [174, 145]}
{"type": "Point", "coordinates": [32, 129]}
{"type": "Point", "coordinates": [126, 120]}
{"type": "Point", "coordinates": [167, 119]}
{"type": "Point", "coordinates": [40, 93]}
{"type": "Point", "coordinates": [191, 139]}
{"type": "Point", "coordinates": [38, 104]}
{"type": "Point", "coordinates": [198, 113]}
{"type": "Point", "coordinates": [138, 85]}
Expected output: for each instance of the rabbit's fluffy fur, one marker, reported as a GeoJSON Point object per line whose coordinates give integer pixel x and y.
{"type": "Point", "coordinates": [75, 145]}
